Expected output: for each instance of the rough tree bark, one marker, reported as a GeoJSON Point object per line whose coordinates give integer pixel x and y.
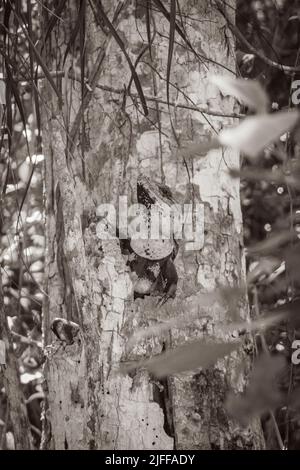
{"type": "Point", "coordinates": [94, 153]}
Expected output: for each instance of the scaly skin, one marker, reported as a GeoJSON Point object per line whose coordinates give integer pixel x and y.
{"type": "Point", "coordinates": [157, 277]}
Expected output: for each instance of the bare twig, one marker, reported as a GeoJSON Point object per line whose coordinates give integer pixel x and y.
{"type": "Point", "coordinates": [92, 83]}
{"type": "Point", "coordinates": [120, 91]}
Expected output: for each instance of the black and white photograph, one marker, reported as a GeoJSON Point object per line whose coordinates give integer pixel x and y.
{"type": "Point", "coordinates": [150, 230]}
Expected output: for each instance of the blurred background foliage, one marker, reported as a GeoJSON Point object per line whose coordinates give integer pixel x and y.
{"type": "Point", "coordinates": [272, 28]}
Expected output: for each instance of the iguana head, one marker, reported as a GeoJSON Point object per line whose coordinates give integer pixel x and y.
{"type": "Point", "coordinates": [157, 200]}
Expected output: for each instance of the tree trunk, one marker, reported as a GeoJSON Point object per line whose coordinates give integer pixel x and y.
{"type": "Point", "coordinates": [95, 149]}
{"type": "Point", "coordinates": [15, 401]}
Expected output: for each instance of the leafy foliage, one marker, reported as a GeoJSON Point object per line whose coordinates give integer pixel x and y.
{"type": "Point", "coordinates": [185, 358]}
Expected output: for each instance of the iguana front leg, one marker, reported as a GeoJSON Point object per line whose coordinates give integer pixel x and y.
{"type": "Point", "coordinates": [169, 279]}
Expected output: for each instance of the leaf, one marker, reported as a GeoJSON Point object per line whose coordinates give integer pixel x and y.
{"type": "Point", "coordinates": [171, 45]}
{"type": "Point", "coordinates": [185, 358]}
{"type": "Point", "coordinates": [291, 312]}
{"type": "Point", "coordinates": [148, 26]}
{"type": "Point", "coordinates": [181, 33]}
{"type": "Point", "coordinates": [260, 174]}
{"type": "Point", "coordinates": [14, 89]}
{"type": "Point", "coordinates": [104, 19]}
{"type": "Point", "coordinates": [136, 62]}
{"type": "Point", "coordinates": [256, 132]}
{"type": "Point", "coordinates": [37, 55]}
{"type": "Point", "coordinates": [262, 323]}
{"type": "Point", "coordinates": [272, 243]}
{"type": "Point", "coordinates": [9, 120]}
{"type": "Point", "coordinates": [6, 17]}
{"type": "Point", "coordinates": [249, 92]}
{"type": "Point", "coordinates": [199, 148]}
{"type": "Point", "coordinates": [262, 269]}
{"type": "Point", "coordinates": [2, 92]}
{"type": "Point", "coordinates": [263, 392]}
{"type": "Point", "coordinates": [34, 81]}
{"type": "Point", "coordinates": [54, 18]}
{"type": "Point", "coordinates": [225, 297]}
{"type": "Point", "coordinates": [82, 14]}
{"type": "Point", "coordinates": [78, 27]}
{"type": "Point", "coordinates": [2, 353]}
